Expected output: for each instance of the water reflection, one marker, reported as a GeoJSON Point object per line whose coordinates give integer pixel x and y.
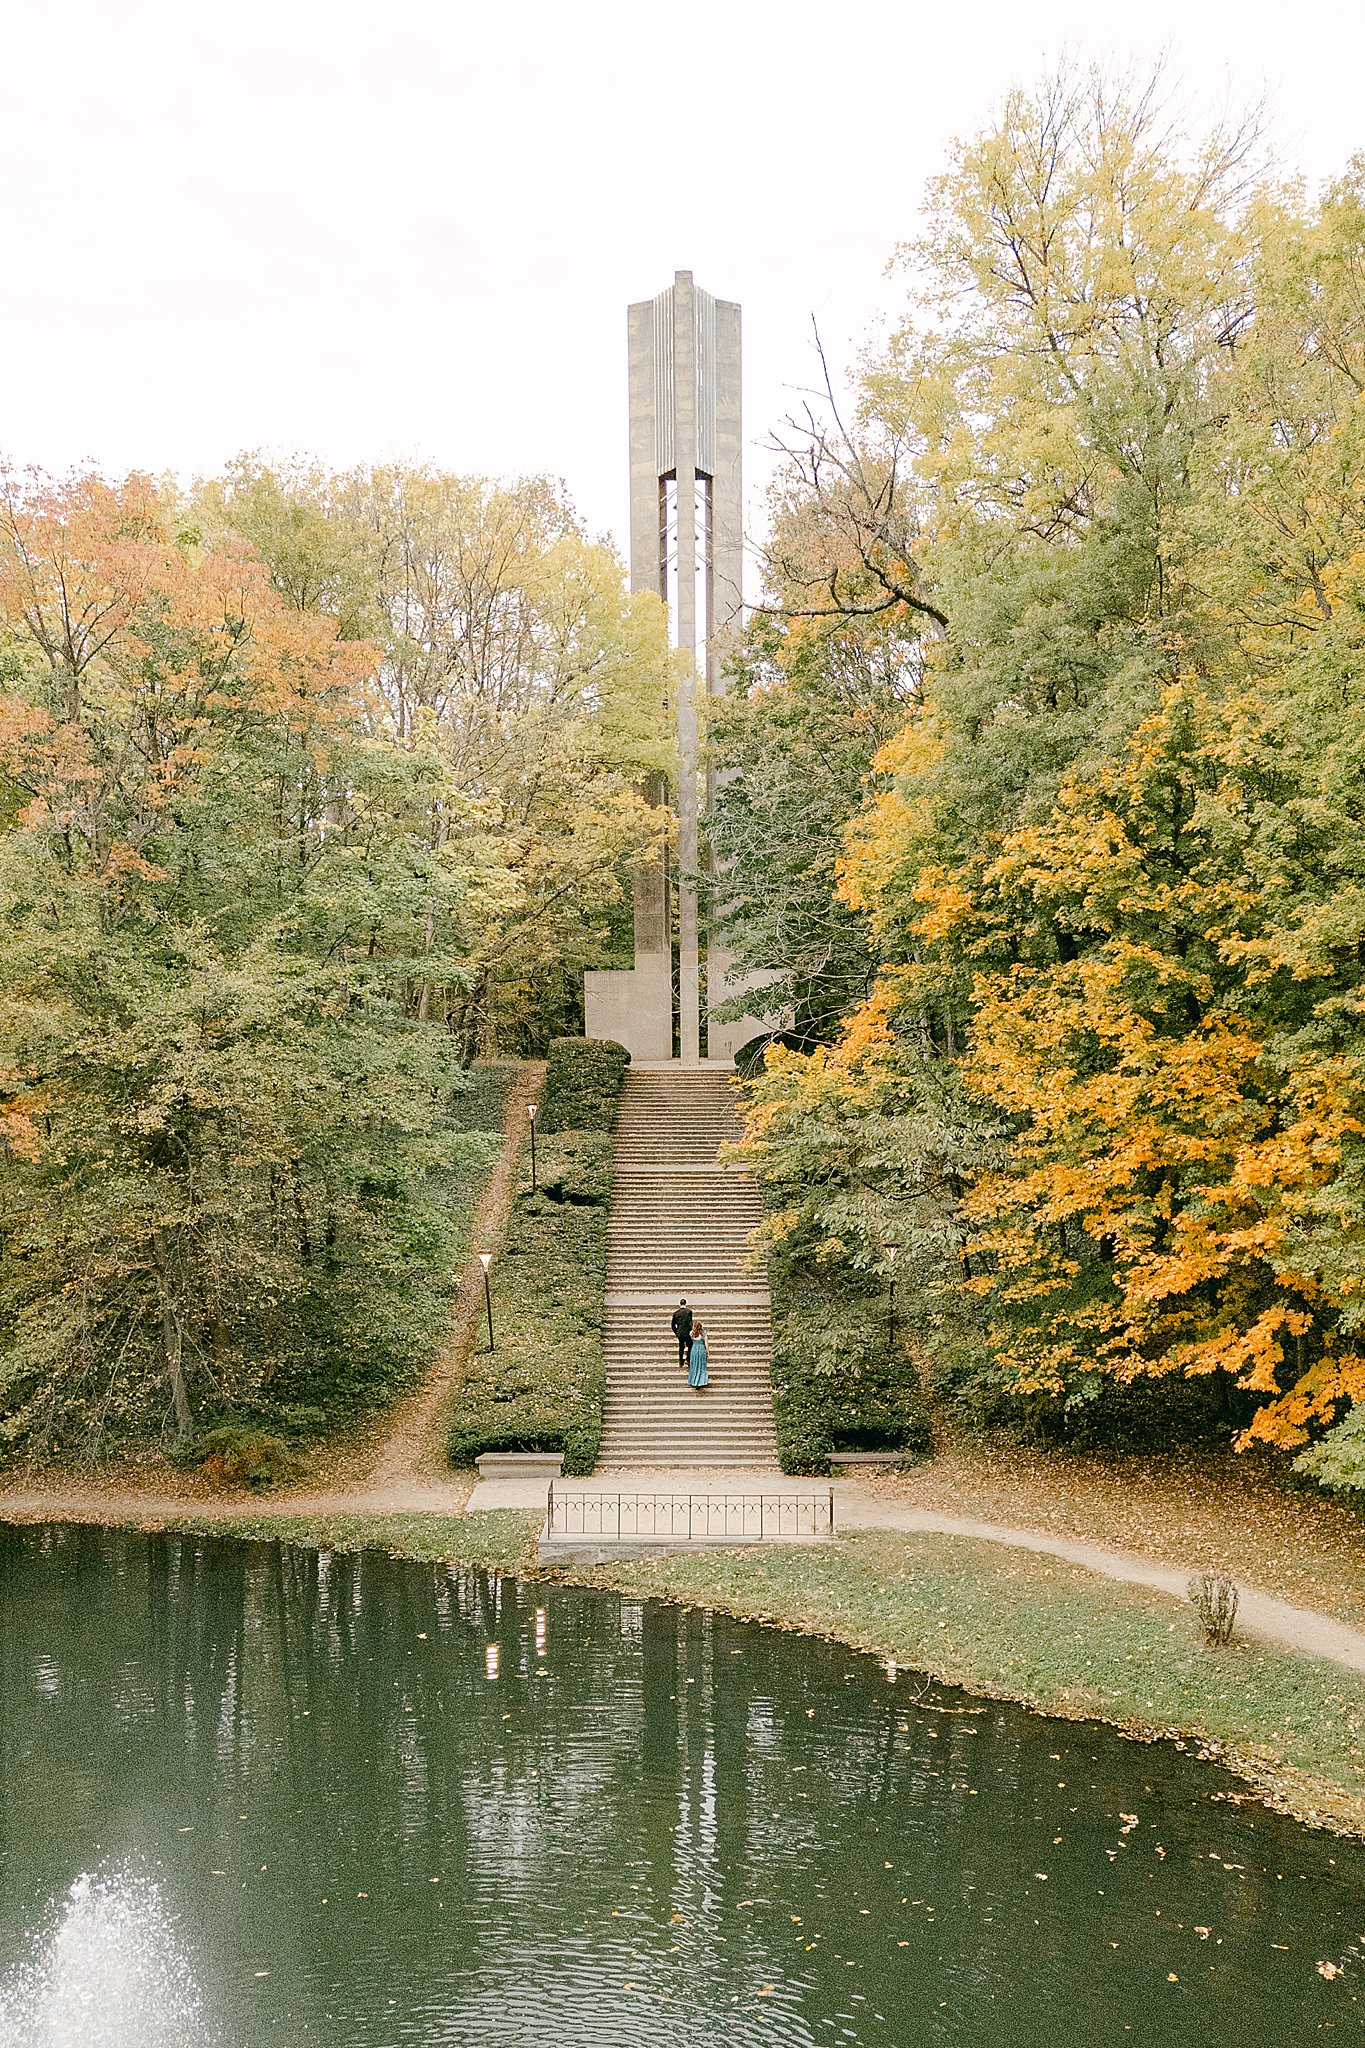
{"type": "Point", "coordinates": [440, 1807]}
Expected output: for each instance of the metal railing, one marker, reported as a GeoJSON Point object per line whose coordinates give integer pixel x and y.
{"type": "Point", "coordinates": [690, 1517]}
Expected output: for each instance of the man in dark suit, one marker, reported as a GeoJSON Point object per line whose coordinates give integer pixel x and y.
{"type": "Point", "coordinates": [682, 1330]}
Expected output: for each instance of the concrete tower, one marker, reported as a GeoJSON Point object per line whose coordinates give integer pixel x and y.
{"type": "Point", "coordinates": [686, 545]}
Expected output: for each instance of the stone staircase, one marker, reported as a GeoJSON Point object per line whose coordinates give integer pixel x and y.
{"type": "Point", "coordinates": [681, 1225]}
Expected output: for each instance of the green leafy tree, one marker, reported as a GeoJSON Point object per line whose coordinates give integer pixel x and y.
{"type": "Point", "coordinates": [1109, 865]}
{"type": "Point", "coordinates": [220, 1111]}
{"type": "Point", "coordinates": [510, 650]}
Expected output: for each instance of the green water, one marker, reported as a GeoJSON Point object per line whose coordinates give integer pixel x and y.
{"type": "Point", "coordinates": [380, 1803]}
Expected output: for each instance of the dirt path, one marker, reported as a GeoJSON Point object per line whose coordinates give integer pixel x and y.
{"type": "Point", "coordinates": [411, 1460]}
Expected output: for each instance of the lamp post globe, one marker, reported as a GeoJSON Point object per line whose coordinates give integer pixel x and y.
{"type": "Point", "coordinates": [486, 1260]}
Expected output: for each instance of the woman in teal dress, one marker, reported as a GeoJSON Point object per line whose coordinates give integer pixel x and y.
{"type": "Point", "coordinates": [696, 1369]}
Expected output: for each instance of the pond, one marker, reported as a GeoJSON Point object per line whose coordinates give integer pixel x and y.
{"type": "Point", "coordinates": [254, 1796]}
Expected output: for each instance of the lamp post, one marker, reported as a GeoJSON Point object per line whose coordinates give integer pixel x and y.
{"type": "Point", "coordinates": [531, 1109]}
{"type": "Point", "coordinates": [486, 1260]}
{"type": "Point", "coordinates": [890, 1250]}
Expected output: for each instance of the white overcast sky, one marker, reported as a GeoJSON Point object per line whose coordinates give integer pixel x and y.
{"type": "Point", "coordinates": [411, 229]}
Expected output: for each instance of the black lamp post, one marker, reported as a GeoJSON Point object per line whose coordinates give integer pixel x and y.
{"type": "Point", "coordinates": [531, 1109]}
{"type": "Point", "coordinates": [486, 1260]}
{"type": "Point", "coordinates": [890, 1251]}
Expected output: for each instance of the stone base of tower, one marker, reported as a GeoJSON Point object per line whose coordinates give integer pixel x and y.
{"type": "Point", "coordinates": [724, 983]}
{"type": "Point", "coordinates": [633, 1006]}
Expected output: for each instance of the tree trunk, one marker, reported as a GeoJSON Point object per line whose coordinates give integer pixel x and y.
{"type": "Point", "coordinates": [173, 1345]}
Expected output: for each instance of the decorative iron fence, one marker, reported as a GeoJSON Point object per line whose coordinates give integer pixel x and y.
{"type": "Point", "coordinates": [691, 1517]}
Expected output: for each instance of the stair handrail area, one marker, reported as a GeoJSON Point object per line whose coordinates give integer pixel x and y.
{"type": "Point", "coordinates": [691, 1517]}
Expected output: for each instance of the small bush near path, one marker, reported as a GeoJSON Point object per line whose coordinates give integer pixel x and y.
{"type": "Point", "coordinates": [542, 1386]}
{"type": "Point", "coordinates": [239, 1454]}
{"type": "Point", "coordinates": [1214, 1598]}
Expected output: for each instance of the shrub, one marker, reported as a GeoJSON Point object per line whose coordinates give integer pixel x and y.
{"type": "Point", "coordinates": [583, 1081]}
{"type": "Point", "coordinates": [1214, 1598]}
{"type": "Point", "coordinates": [481, 1105]}
{"type": "Point", "coordinates": [239, 1454]}
{"type": "Point", "coordinates": [1337, 1462]}
{"type": "Point", "coordinates": [838, 1383]}
{"type": "Point", "coordinates": [542, 1387]}
{"type": "Point", "coordinates": [1098, 1414]}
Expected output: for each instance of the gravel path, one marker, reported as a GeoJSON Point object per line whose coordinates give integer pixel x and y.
{"type": "Point", "coordinates": [1258, 1614]}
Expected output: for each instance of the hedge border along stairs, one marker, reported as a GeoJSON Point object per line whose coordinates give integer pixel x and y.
{"type": "Point", "coordinates": [541, 1387]}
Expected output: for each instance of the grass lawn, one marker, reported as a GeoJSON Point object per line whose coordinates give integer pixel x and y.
{"type": "Point", "coordinates": [1181, 1508]}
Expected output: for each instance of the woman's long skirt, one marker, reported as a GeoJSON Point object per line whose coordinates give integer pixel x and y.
{"type": "Point", "coordinates": [696, 1371]}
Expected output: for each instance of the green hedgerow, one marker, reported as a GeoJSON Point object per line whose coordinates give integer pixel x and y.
{"type": "Point", "coordinates": [542, 1385]}
{"type": "Point", "coordinates": [583, 1082]}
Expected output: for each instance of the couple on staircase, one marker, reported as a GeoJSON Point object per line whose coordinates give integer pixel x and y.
{"type": "Point", "coordinates": [691, 1338]}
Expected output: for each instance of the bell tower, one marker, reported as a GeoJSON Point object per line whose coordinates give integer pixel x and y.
{"type": "Point", "coordinates": [686, 545]}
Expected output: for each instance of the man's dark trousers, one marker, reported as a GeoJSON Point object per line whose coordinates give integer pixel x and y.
{"type": "Point", "coordinates": [682, 1330]}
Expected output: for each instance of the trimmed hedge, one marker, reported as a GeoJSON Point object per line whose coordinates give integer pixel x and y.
{"type": "Point", "coordinates": [838, 1385]}
{"type": "Point", "coordinates": [583, 1082]}
{"type": "Point", "coordinates": [542, 1388]}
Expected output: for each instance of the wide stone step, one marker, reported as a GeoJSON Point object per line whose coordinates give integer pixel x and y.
{"type": "Point", "coordinates": [705, 1227]}
{"type": "Point", "coordinates": [699, 1412]}
{"type": "Point", "coordinates": [686, 1213]}
{"type": "Point", "coordinates": [653, 1355]}
{"type": "Point", "coordinates": [759, 1456]}
{"type": "Point", "coordinates": [647, 1380]}
{"type": "Point", "coordinates": [650, 1352]}
{"type": "Point", "coordinates": [702, 1224]}
{"type": "Point", "coordinates": [725, 1395]}
{"type": "Point", "coordinates": [643, 1362]}
{"type": "Point", "coordinates": [652, 1333]}
{"type": "Point", "coordinates": [688, 1429]}
{"type": "Point", "coordinates": [729, 1383]}
{"type": "Point", "coordinates": [656, 1261]}
{"type": "Point", "coordinates": [658, 1212]}
{"type": "Point", "coordinates": [701, 1445]}
{"type": "Point", "coordinates": [639, 1387]}
{"type": "Point", "coordinates": [656, 1258]}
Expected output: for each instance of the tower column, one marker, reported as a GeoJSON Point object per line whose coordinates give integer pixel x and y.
{"type": "Point", "coordinates": [685, 407]}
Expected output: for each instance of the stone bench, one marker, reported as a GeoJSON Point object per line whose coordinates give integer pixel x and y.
{"type": "Point", "coordinates": [876, 1457]}
{"type": "Point", "coordinates": [520, 1464]}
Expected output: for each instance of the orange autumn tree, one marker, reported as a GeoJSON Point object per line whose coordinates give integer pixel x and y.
{"type": "Point", "coordinates": [1112, 865]}
{"type": "Point", "coordinates": [1183, 1129]}
{"type": "Point", "coordinates": [214, 891]}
